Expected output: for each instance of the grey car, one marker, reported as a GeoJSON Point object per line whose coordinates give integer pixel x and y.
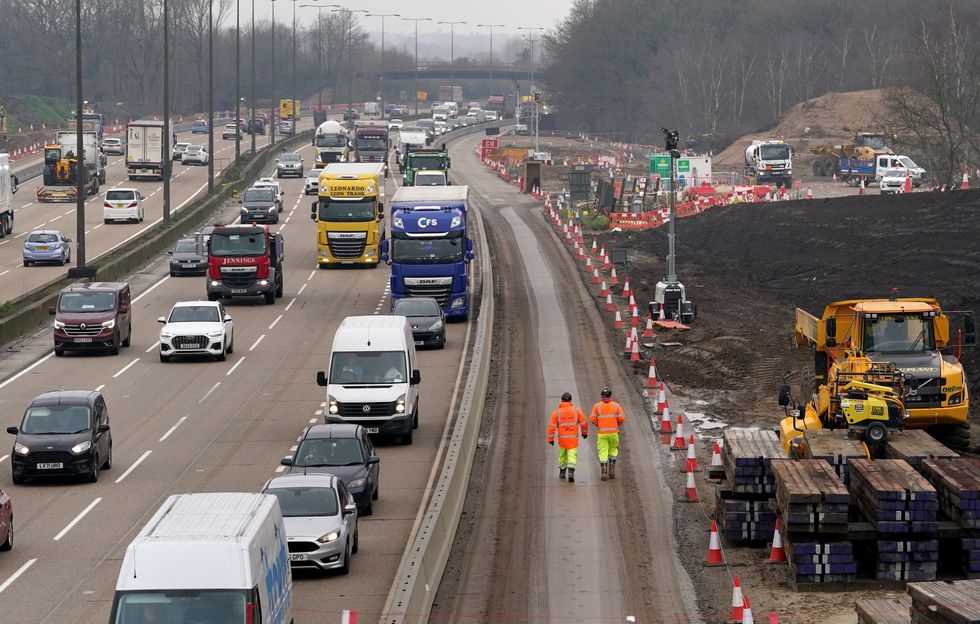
{"type": "Point", "coordinates": [188, 258]}
{"type": "Point", "coordinates": [320, 518]}
{"type": "Point", "coordinates": [46, 246]}
{"type": "Point", "coordinates": [259, 206]}
{"type": "Point", "coordinates": [427, 319]}
{"type": "Point", "coordinates": [289, 164]}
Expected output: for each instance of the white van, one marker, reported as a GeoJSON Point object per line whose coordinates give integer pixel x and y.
{"type": "Point", "coordinates": [215, 557]}
{"type": "Point", "coordinates": [122, 204]}
{"type": "Point", "coordinates": [374, 377]}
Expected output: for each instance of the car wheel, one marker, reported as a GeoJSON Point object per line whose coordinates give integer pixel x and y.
{"type": "Point", "coordinates": [61, 261]}
{"type": "Point", "coordinates": [345, 569]}
{"type": "Point", "coordinates": [114, 349]}
{"type": "Point", "coordinates": [231, 345]}
{"type": "Point", "coordinates": [164, 358]}
{"type": "Point", "coordinates": [129, 336]}
{"type": "Point", "coordinates": [406, 438]}
{"type": "Point", "coordinates": [93, 475]}
{"type": "Point", "coordinates": [9, 542]}
{"type": "Point", "coordinates": [279, 288]}
{"type": "Point", "coordinates": [172, 274]}
{"type": "Point", "coordinates": [107, 464]}
{"type": "Point", "coordinates": [27, 263]}
{"type": "Point", "coordinates": [16, 480]}
{"type": "Point", "coordinates": [223, 355]}
{"type": "Point", "coordinates": [107, 221]}
{"type": "Point", "coordinates": [270, 297]}
{"type": "Point", "coordinates": [368, 511]}
{"type": "Point", "coordinates": [59, 352]}
{"type": "Point", "coordinates": [415, 417]}
{"type": "Point", "coordinates": [357, 542]}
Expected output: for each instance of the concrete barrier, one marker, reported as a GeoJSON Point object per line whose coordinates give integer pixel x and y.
{"type": "Point", "coordinates": [25, 314]}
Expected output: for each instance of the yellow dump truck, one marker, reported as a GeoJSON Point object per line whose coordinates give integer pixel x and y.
{"type": "Point", "coordinates": [349, 213]}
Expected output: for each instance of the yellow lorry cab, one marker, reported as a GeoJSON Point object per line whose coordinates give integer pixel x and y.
{"type": "Point", "coordinates": [349, 213]}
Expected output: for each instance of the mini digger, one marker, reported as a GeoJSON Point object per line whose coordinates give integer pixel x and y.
{"type": "Point", "coordinates": [861, 395]}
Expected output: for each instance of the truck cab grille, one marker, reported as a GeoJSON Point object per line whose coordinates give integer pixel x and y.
{"type": "Point", "coordinates": [346, 247]}
{"type": "Point", "coordinates": [89, 329]}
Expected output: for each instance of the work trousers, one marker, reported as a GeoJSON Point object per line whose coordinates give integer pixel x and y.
{"type": "Point", "coordinates": [608, 444]}
{"type": "Point", "coordinates": [567, 457]}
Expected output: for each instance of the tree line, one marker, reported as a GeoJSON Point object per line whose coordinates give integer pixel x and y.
{"type": "Point", "coordinates": [717, 69]}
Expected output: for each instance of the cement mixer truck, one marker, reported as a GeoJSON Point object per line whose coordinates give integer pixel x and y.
{"type": "Point", "coordinates": [769, 162]}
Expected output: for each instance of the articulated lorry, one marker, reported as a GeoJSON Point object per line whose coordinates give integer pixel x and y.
{"type": "Point", "coordinates": [331, 142]}
{"type": "Point", "coordinates": [770, 162]}
{"type": "Point", "coordinates": [430, 249]}
{"type": "Point", "coordinates": [245, 261]}
{"type": "Point", "coordinates": [6, 196]}
{"type": "Point", "coordinates": [424, 160]}
{"type": "Point", "coordinates": [144, 149]}
{"type": "Point", "coordinates": [349, 212]}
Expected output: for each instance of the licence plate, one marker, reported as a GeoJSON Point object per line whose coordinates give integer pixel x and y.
{"type": "Point", "coordinates": [83, 340]}
{"type": "Point", "coordinates": [189, 346]}
{"type": "Point", "coordinates": [238, 291]}
{"type": "Point", "coordinates": [371, 429]}
{"type": "Point", "coordinates": [42, 248]}
{"type": "Point", "coordinates": [51, 466]}
{"type": "Point", "coordinates": [419, 343]}
{"type": "Point", "coordinates": [298, 556]}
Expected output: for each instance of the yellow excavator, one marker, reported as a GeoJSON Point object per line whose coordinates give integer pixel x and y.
{"type": "Point", "coordinates": [60, 176]}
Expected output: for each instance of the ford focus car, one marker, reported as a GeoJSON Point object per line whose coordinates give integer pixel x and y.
{"type": "Point", "coordinates": [196, 328]}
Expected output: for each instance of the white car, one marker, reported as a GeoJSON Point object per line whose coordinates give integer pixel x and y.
{"type": "Point", "coordinates": [197, 328]}
{"type": "Point", "coordinates": [395, 124]}
{"type": "Point", "coordinates": [893, 180]}
{"type": "Point", "coordinates": [113, 146]}
{"type": "Point", "coordinates": [312, 186]}
{"type": "Point", "coordinates": [490, 115]}
{"type": "Point", "coordinates": [271, 183]}
{"type": "Point", "coordinates": [122, 204]}
{"type": "Point", "coordinates": [179, 149]}
{"type": "Point", "coordinates": [195, 154]}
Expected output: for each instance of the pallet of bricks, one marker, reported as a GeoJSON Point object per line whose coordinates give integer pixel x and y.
{"type": "Point", "coordinates": [742, 504]}
{"type": "Point", "coordinates": [958, 482]}
{"type": "Point", "coordinates": [903, 508]}
{"type": "Point", "coordinates": [939, 602]}
{"type": "Point", "coordinates": [813, 504]}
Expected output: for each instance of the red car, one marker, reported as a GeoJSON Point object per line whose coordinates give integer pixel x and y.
{"type": "Point", "coordinates": [6, 522]}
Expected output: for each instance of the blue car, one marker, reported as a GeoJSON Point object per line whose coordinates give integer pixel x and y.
{"type": "Point", "coordinates": [199, 127]}
{"type": "Point", "coordinates": [47, 246]}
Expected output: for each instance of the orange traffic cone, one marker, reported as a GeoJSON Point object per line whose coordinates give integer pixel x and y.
{"type": "Point", "coordinates": [629, 345]}
{"type": "Point", "coordinates": [612, 278]}
{"type": "Point", "coordinates": [618, 321]}
{"type": "Point", "coordinates": [965, 185]}
{"type": "Point", "coordinates": [602, 252]}
{"type": "Point", "coordinates": [716, 469]}
{"type": "Point", "coordinates": [666, 426]}
{"type": "Point", "coordinates": [692, 488]}
{"type": "Point", "coordinates": [714, 550]}
{"type": "Point", "coordinates": [691, 463]}
{"type": "Point", "coordinates": [609, 303]}
{"type": "Point", "coordinates": [747, 612]}
{"type": "Point", "coordinates": [588, 261]}
{"type": "Point", "coordinates": [604, 290]}
{"type": "Point", "coordinates": [348, 617]}
{"type": "Point", "coordinates": [626, 288]}
{"type": "Point", "coordinates": [635, 354]}
{"type": "Point", "coordinates": [595, 276]}
{"type": "Point", "coordinates": [652, 374]}
{"type": "Point", "coordinates": [773, 618]}
{"type": "Point", "coordinates": [833, 178]}
{"type": "Point", "coordinates": [606, 262]}
{"type": "Point", "coordinates": [661, 399]}
{"type": "Point", "coordinates": [632, 303]}
{"type": "Point", "coordinates": [593, 245]}
{"type": "Point", "coordinates": [861, 187]}
{"type": "Point", "coordinates": [778, 553]}
{"type": "Point", "coordinates": [738, 601]}
{"type": "Point", "coordinates": [679, 443]}
{"type": "Point", "coordinates": [648, 332]}
{"type": "Point", "coordinates": [809, 192]}
{"type": "Point", "coordinates": [634, 318]}
{"type": "Point", "coordinates": [907, 187]}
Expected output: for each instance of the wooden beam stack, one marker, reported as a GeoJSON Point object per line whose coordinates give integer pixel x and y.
{"type": "Point", "coordinates": [905, 560]}
{"type": "Point", "coordinates": [883, 611]}
{"type": "Point", "coordinates": [958, 483]}
{"type": "Point", "coordinates": [813, 562]}
{"type": "Point", "coordinates": [748, 455]}
{"type": "Point", "coordinates": [916, 446]}
{"type": "Point", "coordinates": [956, 602]}
{"type": "Point", "coordinates": [834, 446]}
{"type": "Point", "coordinates": [894, 497]}
{"type": "Point", "coordinates": [810, 497]}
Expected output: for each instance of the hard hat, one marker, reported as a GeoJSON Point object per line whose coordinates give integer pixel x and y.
{"type": "Point", "coordinates": [567, 397]}
{"type": "Point", "coordinates": [606, 392]}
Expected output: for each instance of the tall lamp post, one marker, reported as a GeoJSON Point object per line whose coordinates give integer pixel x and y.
{"type": "Point", "coordinates": [491, 27]}
{"type": "Point", "coordinates": [319, 47]}
{"type": "Point", "coordinates": [167, 132]}
{"type": "Point", "coordinates": [383, 16]}
{"type": "Point", "coordinates": [79, 147]}
{"type": "Point", "coordinates": [293, 86]}
{"type": "Point", "coordinates": [238, 86]}
{"type": "Point", "coordinates": [530, 61]}
{"type": "Point", "coordinates": [452, 44]}
{"type": "Point", "coordinates": [415, 85]}
{"type": "Point", "coordinates": [210, 97]}
{"type": "Point", "coordinates": [253, 78]}
{"type": "Point", "coordinates": [272, 105]}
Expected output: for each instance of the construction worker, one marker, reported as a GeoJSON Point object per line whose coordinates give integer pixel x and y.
{"type": "Point", "coordinates": [607, 416]}
{"type": "Point", "coordinates": [567, 420]}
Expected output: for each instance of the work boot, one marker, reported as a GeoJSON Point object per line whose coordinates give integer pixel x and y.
{"type": "Point", "coordinates": [612, 469]}
{"type": "Point", "coordinates": [605, 472]}
{"type": "Point", "coordinates": [561, 472]}
{"type": "Point", "coordinates": [571, 475]}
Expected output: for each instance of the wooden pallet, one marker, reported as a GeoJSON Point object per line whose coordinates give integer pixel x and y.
{"type": "Point", "coordinates": [956, 602]}
{"type": "Point", "coordinates": [810, 497]}
{"type": "Point", "coordinates": [834, 446]}
{"type": "Point", "coordinates": [747, 455]}
{"type": "Point", "coordinates": [883, 611]}
{"type": "Point", "coordinates": [958, 483]}
{"type": "Point", "coordinates": [916, 446]}
{"type": "Point", "coordinates": [894, 497]}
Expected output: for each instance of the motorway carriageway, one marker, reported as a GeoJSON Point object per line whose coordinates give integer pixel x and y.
{"type": "Point", "coordinates": [199, 425]}
{"type": "Point", "coordinates": [187, 183]}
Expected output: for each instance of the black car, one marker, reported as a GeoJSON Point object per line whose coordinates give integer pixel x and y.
{"type": "Point", "coordinates": [345, 451]}
{"type": "Point", "coordinates": [255, 126]}
{"type": "Point", "coordinates": [63, 434]}
{"type": "Point", "coordinates": [188, 258]}
{"type": "Point", "coordinates": [427, 319]}
{"type": "Point", "coordinates": [259, 205]}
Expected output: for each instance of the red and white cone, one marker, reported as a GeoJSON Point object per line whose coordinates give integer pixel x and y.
{"type": "Point", "coordinates": [778, 553]}
{"type": "Point", "coordinates": [834, 178]}
{"type": "Point", "coordinates": [609, 303]}
{"type": "Point", "coordinates": [679, 442]}
{"type": "Point", "coordinates": [652, 374]}
{"type": "Point", "coordinates": [715, 455]}
{"type": "Point", "coordinates": [348, 617]}
{"type": "Point", "coordinates": [907, 187]}
{"type": "Point", "coordinates": [632, 302]}
{"type": "Point", "coordinates": [666, 426]}
{"type": "Point", "coordinates": [965, 184]}
{"type": "Point", "coordinates": [606, 263]}
{"type": "Point", "coordinates": [635, 353]}
{"type": "Point", "coordinates": [612, 278]}
{"type": "Point", "coordinates": [691, 462]}
{"type": "Point", "coordinates": [593, 245]}
{"type": "Point", "coordinates": [714, 549]}
{"type": "Point", "coordinates": [809, 192]}
{"type": "Point", "coordinates": [747, 612]}
{"type": "Point", "coordinates": [588, 262]}
{"type": "Point", "coordinates": [738, 601]}
{"type": "Point", "coordinates": [629, 345]}
{"type": "Point", "coordinates": [595, 275]}
{"type": "Point", "coordinates": [604, 290]}
{"type": "Point", "coordinates": [773, 618]}
{"type": "Point", "coordinates": [626, 288]}
{"type": "Point", "coordinates": [618, 321]}
{"type": "Point", "coordinates": [602, 252]}
{"type": "Point", "coordinates": [661, 399]}
{"type": "Point", "coordinates": [634, 318]}
{"type": "Point", "coordinates": [648, 332]}
{"type": "Point", "coordinates": [692, 489]}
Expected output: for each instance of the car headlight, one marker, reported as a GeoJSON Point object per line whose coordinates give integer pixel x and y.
{"type": "Point", "coordinates": [357, 483]}
{"type": "Point", "coordinates": [400, 404]}
{"type": "Point", "coordinates": [215, 283]}
{"type": "Point", "coordinates": [956, 399]}
{"type": "Point", "coordinates": [81, 447]}
{"type": "Point", "coordinates": [20, 449]}
{"type": "Point", "coordinates": [215, 334]}
{"type": "Point", "coordinates": [333, 536]}
{"type": "Point", "coordinates": [263, 282]}
{"type": "Point", "coordinates": [166, 335]}
{"type": "Point", "coordinates": [334, 408]}
{"type": "Point", "coordinates": [58, 324]}
{"type": "Point", "coordinates": [109, 324]}
{"type": "Point", "coordinates": [436, 326]}
{"type": "Point", "coordinates": [458, 302]}
{"type": "Point", "coordinates": [370, 252]}
{"type": "Point", "coordinates": [272, 209]}
{"type": "Point", "coordinates": [244, 211]}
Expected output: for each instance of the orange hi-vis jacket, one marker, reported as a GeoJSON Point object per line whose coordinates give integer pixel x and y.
{"type": "Point", "coordinates": [567, 420]}
{"type": "Point", "coordinates": [607, 416]}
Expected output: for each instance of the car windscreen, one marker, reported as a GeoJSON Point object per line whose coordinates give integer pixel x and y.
{"type": "Point", "coordinates": [42, 238]}
{"type": "Point", "coordinates": [92, 301]}
{"type": "Point", "coordinates": [227, 244]}
{"type": "Point", "coordinates": [427, 163]}
{"type": "Point", "coordinates": [289, 158]}
{"type": "Point", "coordinates": [329, 452]}
{"type": "Point", "coordinates": [120, 196]}
{"type": "Point", "coordinates": [187, 246]}
{"type": "Point", "coordinates": [259, 195]}
{"type": "Point", "coordinates": [194, 148]}
{"type": "Point", "coordinates": [194, 314]}
{"type": "Point", "coordinates": [304, 502]}
{"type": "Point", "coordinates": [331, 140]}
{"type": "Point", "coordinates": [314, 174]}
{"type": "Point", "coordinates": [56, 419]}
{"type": "Point", "coordinates": [368, 367]}
{"type": "Point", "coordinates": [338, 210]}
{"type": "Point", "coordinates": [195, 606]}
{"type": "Point", "coordinates": [427, 250]}
{"type": "Point", "coordinates": [416, 307]}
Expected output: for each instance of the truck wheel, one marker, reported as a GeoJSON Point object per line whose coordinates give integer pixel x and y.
{"type": "Point", "coordinates": [270, 297]}
{"type": "Point", "coordinates": [279, 288]}
{"type": "Point", "coordinates": [406, 438]}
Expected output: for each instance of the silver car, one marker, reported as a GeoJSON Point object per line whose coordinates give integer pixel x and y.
{"type": "Point", "coordinates": [46, 246]}
{"type": "Point", "coordinates": [312, 185]}
{"type": "Point", "coordinates": [113, 146]}
{"type": "Point", "coordinates": [195, 154]}
{"type": "Point", "coordinates": [320, 517]}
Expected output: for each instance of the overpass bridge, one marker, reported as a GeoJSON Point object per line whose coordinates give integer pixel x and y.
{"type": "Point", "coordinates": [444, 70]}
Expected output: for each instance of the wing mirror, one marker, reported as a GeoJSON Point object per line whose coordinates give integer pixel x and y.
{"type": "Point", "coordinates": [416, 377]}
{"type": "Point", "coordinates": [372, 460]}
{"type": "Point", "coordinates": [321, 378]}
{"type": "Point", "coordinates": [51, 310]}
{"type": "Point", "coordinates": [349, 509]}
{"type": "Point", "coordinates": [103, 429]}
{"type": "Point", "coordinates": [123, 309]}
{"type": "Point", "coordinates": [227, 318]}
{"type": "Point", "coordinates": [286, 461]}
{"type": "Point", "coordinates": [162, 320]}
{"type": "Point", "coordinates": [12, 430]}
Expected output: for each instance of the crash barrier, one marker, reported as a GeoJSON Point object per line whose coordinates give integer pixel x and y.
{"type": "Point", "coordinates": [30, 311]}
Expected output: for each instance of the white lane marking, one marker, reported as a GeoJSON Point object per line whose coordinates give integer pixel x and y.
{"type": "Point", "coordinates": [172, 429]}
{"type": "Point", "coordinates": [13, 577]}
{"type": "Point", "coordinates": [26, 370]}
{"type": "Point", "coordinates": [278, 318]}
{"type": "Point", "coordinates": [290, 304]}
{"type": "Point", "coordinates": [5, 272]}
{"type": "Point", "coordinates": [279, 469]}
{"type": "Point", "coordinates": [313, 421]}
{"type": "Point", "coordinates": [256, 343]}
{"type": "Point", "coordinates": [312, 273]}
{"type": "Point", "coordinates": [293, 448]}
{"type": "Point", "coordinates": [125, 368]}
{"type": "Point", "coordinates": [79, 517]}
{"type": "Point", "coordinates": [69, 212]}
{"type": "Point", "coordinates": [55, 219]}
{"type": "Point", "coordinates": [319, 412]}
{"type": "Point", "coordinates": [99, 389]}
{"type": "Point", "coordinates": [237, 364]}
{"type": "Point", "coordinates": [100, 225]}
{"type": "Point", "coordinates": [153, 346]}
{"type": "Point", "coordinates": [301, 289]}
{"type": "Point", "coordinates": [150, 289]}
{"type": "Point", "coordinates": [139, 460]}
{"type": "Point", "coordinates": [22, 234]}
{"type": "Point", "coordinates": [4, 458]}
{"type": "Point", "coordinates": [208, 393]}
{"type": "Point", "coordinates": [4, 242]}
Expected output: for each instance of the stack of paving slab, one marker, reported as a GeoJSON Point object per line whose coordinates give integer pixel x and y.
{"type": "Point", "coordinates": [743, 508]}
{"type": "Point", "coordinates": [904, 508]}
{"type": "Point", "coordinates": [958, 483]}
{"type": "Point", "coordinates": [834, 446]}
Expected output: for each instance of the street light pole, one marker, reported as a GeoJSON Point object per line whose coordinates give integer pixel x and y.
{"type": "Point", "coordinates": [252, 120]}
{"type": "Point", "coordinates": [272, 105]}
{"type": "Point", "coordinates": [80, 174]}
{"type": "Point", "coordinates": [491, 27]}
{"type": "Point", "coordinates": [166, 112]}
{"type": "Point", "coordinates": [383, 16]}
{"type": "Point", "coordinates": [238, 90]}
{"type": "Point", "coordinates": [452, 54]}
{"type": "Point", "coordinates": [293, 88]}
{"type": "Point", "coordinates": [210, 97]}
{"type": "Point", "coordinates": [415, 85]}
{"type": "Point", "coordinates": [530, 61]}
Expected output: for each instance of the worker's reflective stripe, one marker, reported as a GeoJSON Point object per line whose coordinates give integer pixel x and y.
{"type": "Point", "coordinates": [608, 430]}
{"type": "Point", "coordinates": [569, 435]}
